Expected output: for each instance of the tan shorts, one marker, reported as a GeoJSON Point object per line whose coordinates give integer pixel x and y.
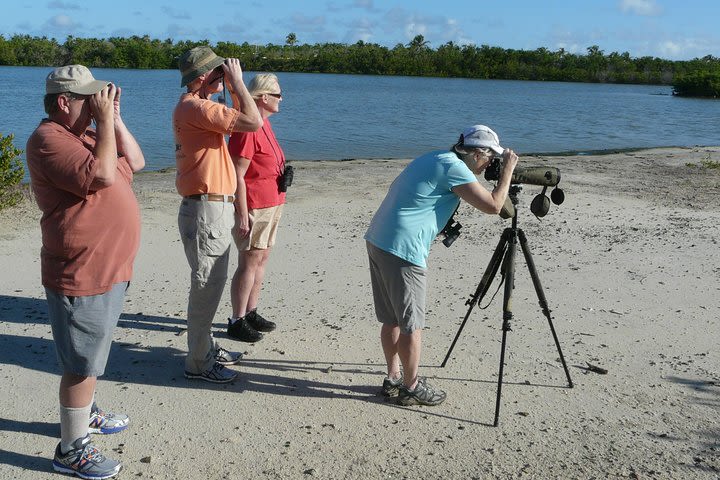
{"type": "Point", "coordinates": [263, 230]}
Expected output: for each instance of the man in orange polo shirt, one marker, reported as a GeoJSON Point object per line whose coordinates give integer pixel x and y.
{"type": "Point", "coordinates": [207, 181]}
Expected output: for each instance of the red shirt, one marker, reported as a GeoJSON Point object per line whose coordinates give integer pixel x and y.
{"type": "Point", "coordinates": [89, 238]}
{"type": "Point", "coordinates": [267, 162]}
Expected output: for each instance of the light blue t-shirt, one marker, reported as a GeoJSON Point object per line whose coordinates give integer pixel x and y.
{"type": "Point", "coordinates": [418, 205]}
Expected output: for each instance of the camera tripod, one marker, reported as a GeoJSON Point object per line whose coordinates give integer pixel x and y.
{"type": "Point", "coordinates": [504, 259]}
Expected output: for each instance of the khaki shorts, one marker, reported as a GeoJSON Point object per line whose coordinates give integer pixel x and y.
{"type": "Point", "coordinates": [263, 230]}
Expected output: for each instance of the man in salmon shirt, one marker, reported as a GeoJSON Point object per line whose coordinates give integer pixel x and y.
{"type": "Point", "coordinates": [90, 224]}
{"type": "Point", "coordinates": [206, 179]}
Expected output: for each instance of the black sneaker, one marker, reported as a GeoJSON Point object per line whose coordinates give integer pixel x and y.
{"type": "Point", "coordinates": [423, 394]}
{"type": "Point", "coordinates": [241, 330]}
{"type": "Point", "coordinates": [258, 322]}
{"type": "Point", "coordinates": [391, 387]}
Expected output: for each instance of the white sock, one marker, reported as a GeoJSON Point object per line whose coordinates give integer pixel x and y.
{"type": "Point", "coordinates": [74, 424]}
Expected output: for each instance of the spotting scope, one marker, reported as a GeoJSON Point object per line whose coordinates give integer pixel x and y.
{"type": "Point", "coordinates": [543, 176]}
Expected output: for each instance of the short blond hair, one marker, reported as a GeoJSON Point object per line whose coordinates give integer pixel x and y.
{"type": "Point", "coordinates": [263, 83]}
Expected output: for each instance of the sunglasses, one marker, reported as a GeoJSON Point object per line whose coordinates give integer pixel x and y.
{"type": "Point", "coordinates": [276, 95]}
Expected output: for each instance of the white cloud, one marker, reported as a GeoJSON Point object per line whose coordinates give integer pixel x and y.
{"type": "Point", "coordinates": [181, 32]}
{"type": "Point", "coordinates": [359, 29]}
{"type": "Point", "coordinates": [670, 49]}
{"type": "Point", "coordinates": [363, 3]}
{"type": "Point", "coordinates": [413, 28]}
{"type": "Point", "coordinates": [175, 14]}
{"type": "Point", "coordinates": [307, 23]}
{"type": "Point", "coordinates": [640, 7]}
{"type": "Point", "coordinates": [61, 22]}
{"type": "Point", "coordinates": [57, 4]}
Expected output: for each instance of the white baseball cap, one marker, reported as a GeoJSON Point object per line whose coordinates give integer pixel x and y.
{"type": "Point", "coordinates": [480, 136]}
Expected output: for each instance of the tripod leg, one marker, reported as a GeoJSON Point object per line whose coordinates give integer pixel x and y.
{"type": "Point", "coordinates": [482, 288]}
{"type": "Point", "coordinates": [508, 270]}
{"type": "Point", "coordinates": [541, 298]}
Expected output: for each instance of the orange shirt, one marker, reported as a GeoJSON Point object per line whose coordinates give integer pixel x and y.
{"type": "Point", "coordinates": [89, 238]}
{"type": "Point", "coordinates": [201, 153]}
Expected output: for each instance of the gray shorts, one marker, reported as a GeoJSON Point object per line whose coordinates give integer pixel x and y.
{"type": "Point", "coordinates": [398, 290]}
{"type": "Point", "coordinates": [82, 328]}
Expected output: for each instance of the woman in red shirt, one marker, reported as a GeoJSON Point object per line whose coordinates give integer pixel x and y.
{"type": "Point", "coordinates": [260, 165]}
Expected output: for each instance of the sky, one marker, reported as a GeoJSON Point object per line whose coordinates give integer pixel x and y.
{"type": "Point", "coordinates": [669, 29]}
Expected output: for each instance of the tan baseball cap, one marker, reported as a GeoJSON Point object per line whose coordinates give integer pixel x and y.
{"type": "Point", "coordinates": [74, 79]}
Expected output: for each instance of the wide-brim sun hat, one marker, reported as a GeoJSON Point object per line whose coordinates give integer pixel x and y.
{"type": "Point", "coordinates": [73, 79]}
{"type": "Point", "coordinates": [480, 136]}
{"type": "Point", "coordinates": [197, 61]}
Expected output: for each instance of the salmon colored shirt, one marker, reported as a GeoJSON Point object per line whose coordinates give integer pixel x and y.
{"type": "Point", "coordinates": [201, 153]}
{"type": "Point", "coordinates": [89, 238]}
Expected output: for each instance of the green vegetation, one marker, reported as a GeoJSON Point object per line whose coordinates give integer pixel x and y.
{"type": "Point", "coordinates": [11, 172]}
{"type": "Point", "coordinates": [413, 58]}
{"type": "Point", "coordinates": [704, 83]}
{"type": "Point", "coordinates": [707, 162]}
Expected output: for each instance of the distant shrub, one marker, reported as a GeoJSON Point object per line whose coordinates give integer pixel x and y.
{"type": "Point", "coordinates": [11, 172]}
{"type": "Point", "coordinates": [698, 84]}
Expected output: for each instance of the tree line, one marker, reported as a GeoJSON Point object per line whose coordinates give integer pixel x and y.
{"type": "Point", "coordinates": [700, 76]}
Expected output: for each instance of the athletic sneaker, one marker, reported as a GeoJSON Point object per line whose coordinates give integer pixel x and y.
{"type": "Point", "coordinates": [106, 422]}
{"type": "Point", "coordinates": [423, 394]}
{"type": "Point", "coordinates": [215, 374]}
{"type": "Point", "coordinates": [258, 322]}
{"type": "Point", "coordinates": [391, 387]}
{"type": "Point", "coordinates": [85, 461]}
{"type": "Point", "coordinates": [224, 357]}
{"type": "Point", "coordinates": [241, 330]}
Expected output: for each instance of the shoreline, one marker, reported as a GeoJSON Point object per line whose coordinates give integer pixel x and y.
{"type": "Point", "coordinates": [568, 153]}
{"type": "Point", "coordinates": [630, 266]}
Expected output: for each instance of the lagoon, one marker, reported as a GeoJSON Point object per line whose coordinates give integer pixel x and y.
{"type": "Point", "coordinates": [335, 117]}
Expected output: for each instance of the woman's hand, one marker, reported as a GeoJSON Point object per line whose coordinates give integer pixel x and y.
{"type": "Point", "coordinates": [510, 160]}
{"type": "Point", "coordinates": [242, 225]}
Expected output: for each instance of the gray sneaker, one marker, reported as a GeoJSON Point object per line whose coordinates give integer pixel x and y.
{"type": "Point", "coordinates": [106, 422]}
{"type": "Point", "coordinates": [215, 374]}
{"type": "Point", "coordinates": [85, 461]}
{"type": "Point", "coordinates": [224, 357]}
{"type": "Point", "coordinates": [390, 387]}
{"type": "Point", "coordinates": [423, 394]}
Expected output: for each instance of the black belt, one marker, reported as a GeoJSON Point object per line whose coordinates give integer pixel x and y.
{"type": "Point", "coordinates": [212, 197]}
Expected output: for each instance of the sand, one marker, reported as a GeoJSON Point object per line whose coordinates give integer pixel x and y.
{"type": "Point", "coordinates": [630, 267]}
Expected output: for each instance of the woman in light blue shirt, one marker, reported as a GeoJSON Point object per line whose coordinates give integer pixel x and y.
{"type": "Point", "coordinates": [418, 205]}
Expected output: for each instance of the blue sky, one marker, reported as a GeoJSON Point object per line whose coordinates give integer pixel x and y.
{"type": "Point", "coordinates": [671, 29]}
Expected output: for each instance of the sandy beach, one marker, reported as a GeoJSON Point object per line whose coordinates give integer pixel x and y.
{"type": "Point", "coordinates": [630, 266]}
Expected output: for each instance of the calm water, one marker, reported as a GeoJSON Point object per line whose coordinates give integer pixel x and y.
{"type": "Point", "coordinates": [333, 117]}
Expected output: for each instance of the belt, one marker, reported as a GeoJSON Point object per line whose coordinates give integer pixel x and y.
{"type": "Point", "coordinates": [212, 197]}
